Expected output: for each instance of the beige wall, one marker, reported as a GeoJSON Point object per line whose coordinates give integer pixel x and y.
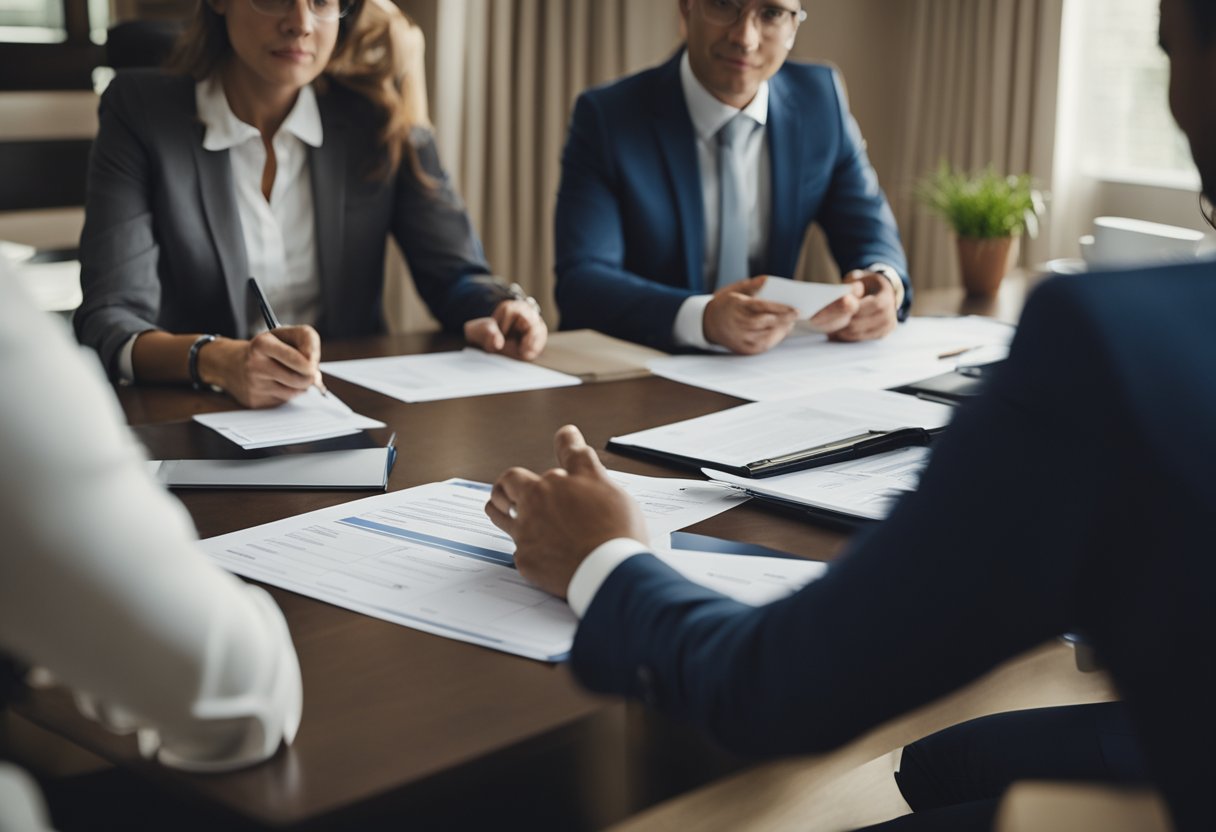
{"type": "Point", "coordinates": [867, 40]}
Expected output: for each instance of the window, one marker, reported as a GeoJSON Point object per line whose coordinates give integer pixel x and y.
{"type": "Point", "coordinates": [44, 21]}
{"type": "Point", "coordinates": [1123, 127]}
{"type": "Point", "coordinates": [51, 44]}
{"type": "Point", "coordinates": [32, 21]}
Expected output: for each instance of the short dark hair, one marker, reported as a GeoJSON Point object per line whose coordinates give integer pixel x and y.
{"type": "Point", "coordinates": [1205, 19]}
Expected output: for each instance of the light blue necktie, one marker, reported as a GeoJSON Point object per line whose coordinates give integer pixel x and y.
{"type": "Point", "coordinates": [732, 213]}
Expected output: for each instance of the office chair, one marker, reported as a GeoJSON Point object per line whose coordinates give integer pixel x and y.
{"type": "Point", "coordinates": [140, 43]}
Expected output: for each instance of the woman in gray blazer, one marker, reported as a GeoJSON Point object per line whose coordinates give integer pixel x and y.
{"type": "Point", "coordinates": [280, 145]}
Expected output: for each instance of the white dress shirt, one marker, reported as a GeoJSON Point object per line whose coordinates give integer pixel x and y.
{"type": "Point", "coordinates": [101, 581]}
{"type": "Point", "coordinates": [708, 115]}
{"type": "Point", "coordinates": [21, 806]}
{"type": "Point", "coordinates": [279, 235]}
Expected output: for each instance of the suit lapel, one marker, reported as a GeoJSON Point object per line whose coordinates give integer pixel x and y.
{"type": "Point", "coordinates": [678, 142]}
{"type": "Point", "coordinates": [223, 221]}
{"type": "Point", "coordinates": [327, 168]}
{"type": "Point", "coordinates": [785, 142]}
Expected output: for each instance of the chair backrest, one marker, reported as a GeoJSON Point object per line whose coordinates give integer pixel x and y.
{"type": "Point", "coordinates": [140, 43]}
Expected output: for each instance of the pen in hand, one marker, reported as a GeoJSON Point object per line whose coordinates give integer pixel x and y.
{"type": "Point", "coordinates": [272, 323]}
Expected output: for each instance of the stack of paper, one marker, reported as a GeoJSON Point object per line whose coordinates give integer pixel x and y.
{"type": "Point", "coordinates": [446, 375]}
{"type": "Point", "coordinates": [429, 558]}
{"type": "Point", "coordinates": [918, 349]}
{"type": "Point", "coordinates": [862, 489]}
{"type": "Point", "coordinates": [306, 418]}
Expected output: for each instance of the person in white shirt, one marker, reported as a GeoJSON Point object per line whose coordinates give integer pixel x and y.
{"type": "Point", "coordinates": [102, 584]}
{"type": "Point", "coordinates": [283, 144]}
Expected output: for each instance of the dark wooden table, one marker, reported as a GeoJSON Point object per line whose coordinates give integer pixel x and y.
{"type": "Point", "coordinates": [405, 728]}
{"type": "Point", "coordinates": [403, 724]}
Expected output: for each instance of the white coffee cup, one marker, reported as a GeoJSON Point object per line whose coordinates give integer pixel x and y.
{"type": "Point", "coordinates": [1121, 242]}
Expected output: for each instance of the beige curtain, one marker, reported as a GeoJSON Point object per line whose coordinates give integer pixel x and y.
{"type": "Point", "coordinates": [981, 90]}
{"type": "Point", "coordinates": [505, 74]}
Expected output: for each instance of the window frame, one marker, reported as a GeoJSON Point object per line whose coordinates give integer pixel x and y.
{"type": "Point", "coordinates": [67, 65]}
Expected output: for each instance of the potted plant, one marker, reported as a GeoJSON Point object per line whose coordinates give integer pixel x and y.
{"type": "Point", "coordinates": [988, 212]}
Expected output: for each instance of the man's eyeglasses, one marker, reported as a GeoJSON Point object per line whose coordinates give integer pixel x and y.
{"type": "Point", "coordinates": [321, 9]}
{"type": "Point", "coordinates": [774, 21]}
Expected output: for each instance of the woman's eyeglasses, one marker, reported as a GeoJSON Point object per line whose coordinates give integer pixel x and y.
{"type": "Point", "coordinates": [321, 9]}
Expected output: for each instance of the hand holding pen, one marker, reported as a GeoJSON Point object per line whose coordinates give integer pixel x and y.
{"type": "Point", "coordinates": [270, 368]}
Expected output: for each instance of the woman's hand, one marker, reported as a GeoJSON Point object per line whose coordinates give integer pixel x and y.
{"type": "Point", "coordinates": [267, 370]}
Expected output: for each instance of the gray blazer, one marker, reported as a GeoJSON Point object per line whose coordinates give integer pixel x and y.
{"type": "Point", "coordinates": [162, 246]}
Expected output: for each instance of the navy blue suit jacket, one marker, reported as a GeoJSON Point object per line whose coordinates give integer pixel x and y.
{"type": "Point", "coordinates": [1075, 495]}
{"type": "Point", "coordinates": [630, 228]}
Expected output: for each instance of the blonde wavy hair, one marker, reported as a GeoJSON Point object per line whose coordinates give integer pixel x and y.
{"type": "Point", "coordinates": [378, 56]}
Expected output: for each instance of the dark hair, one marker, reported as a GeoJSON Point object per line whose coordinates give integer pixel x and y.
{"type": "Point", "coordinates": [369, 59]}
{"type": "Point", "coordinates": [1204, 12]}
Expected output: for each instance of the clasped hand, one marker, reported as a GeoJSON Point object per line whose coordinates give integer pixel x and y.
{"type": "Point", "coordinates": [559, 517]}
{"type": "Point", "coordinates": [515, 329]}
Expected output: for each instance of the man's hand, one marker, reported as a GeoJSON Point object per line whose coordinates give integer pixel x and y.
{"type": "Point", "coordinates": [743, 323]}
{"type": "Point", "coordinates": [267, 370]}
{"type": "Point", "coordinates": [561, 516]}
{"type": "Point", "coordinates": [876, 315]}
{"type": "Point", "coordinates": [515, 329]}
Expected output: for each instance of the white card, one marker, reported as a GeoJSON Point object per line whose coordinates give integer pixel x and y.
{"type": "Point", "coordinates": [807, 298]}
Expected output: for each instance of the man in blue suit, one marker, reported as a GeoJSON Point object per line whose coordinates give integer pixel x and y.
{"type": "Point", "coordinates": [1075, 495]}
{"type": "Point", "coordinates": [683, 186]}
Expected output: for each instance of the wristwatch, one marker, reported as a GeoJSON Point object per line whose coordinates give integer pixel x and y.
{"type": "Point", "coordinates": [192, 360]}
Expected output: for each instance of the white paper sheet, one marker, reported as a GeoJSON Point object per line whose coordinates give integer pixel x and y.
{"type": "Point", "coordinates": [429, 558]}
{"type": "Point", "coordinates": [305, 418]}
{"type": "Point", "coordinates": [807, 298]}
{"type": "Point", "coordinates": [866, 488]}
{"type": "Point", "coordinates": [752, 579]}
{"type": "Point", "coordinates": [446, 375]}
{"type": "Point", "coordinates": [764, 430]}
{"type": "Point", "coordinates": [804, 364]}
{"type": "Point", "coordinates": [670, 504]}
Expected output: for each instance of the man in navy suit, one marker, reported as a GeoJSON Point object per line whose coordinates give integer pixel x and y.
{"type": "Point", "coordinates": [683, 186]}
{"type": "Point", "coordinates": [1075, 495]}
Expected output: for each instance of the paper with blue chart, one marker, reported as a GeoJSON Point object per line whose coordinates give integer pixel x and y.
{"type": "Point", "coordinates": [429, 558]}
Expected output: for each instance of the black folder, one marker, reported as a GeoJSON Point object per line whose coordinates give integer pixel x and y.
{"type": "Point", "coordinates": [841, 450]}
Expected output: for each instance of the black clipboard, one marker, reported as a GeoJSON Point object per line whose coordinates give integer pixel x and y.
{"type": "Point", "coordinates": [841, 450]}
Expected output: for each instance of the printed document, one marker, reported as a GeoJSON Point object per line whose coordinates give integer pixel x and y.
{"type": "Point", "coordinates": [802, 364]}
{"type": "Point", "coordinates": [865, 488]}
{"type": "Point", "coordinates": [446, 375]}
{"type": "Point", "coordinates": [429, 558]}
{"type": "Point", "coordinates": [764, 430]}
{"type": "Point", "coordinates": [306, 418]}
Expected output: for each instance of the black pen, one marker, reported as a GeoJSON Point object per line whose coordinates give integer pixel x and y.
{"type": "Point", "coordinates": [272, 322]}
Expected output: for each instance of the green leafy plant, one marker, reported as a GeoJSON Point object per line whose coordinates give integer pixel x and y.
{"type": "Point", "coordinates": [982, 205]}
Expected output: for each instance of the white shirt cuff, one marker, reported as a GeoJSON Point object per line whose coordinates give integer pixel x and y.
{"type": "Point", "coordinates": [126, 364]}
{"type": "Point", "coordinates": [689, 328]}
{"type": "Point", "coordinates": [897, 283]}
{"type": "Point", "coordinates": [596, 568]}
